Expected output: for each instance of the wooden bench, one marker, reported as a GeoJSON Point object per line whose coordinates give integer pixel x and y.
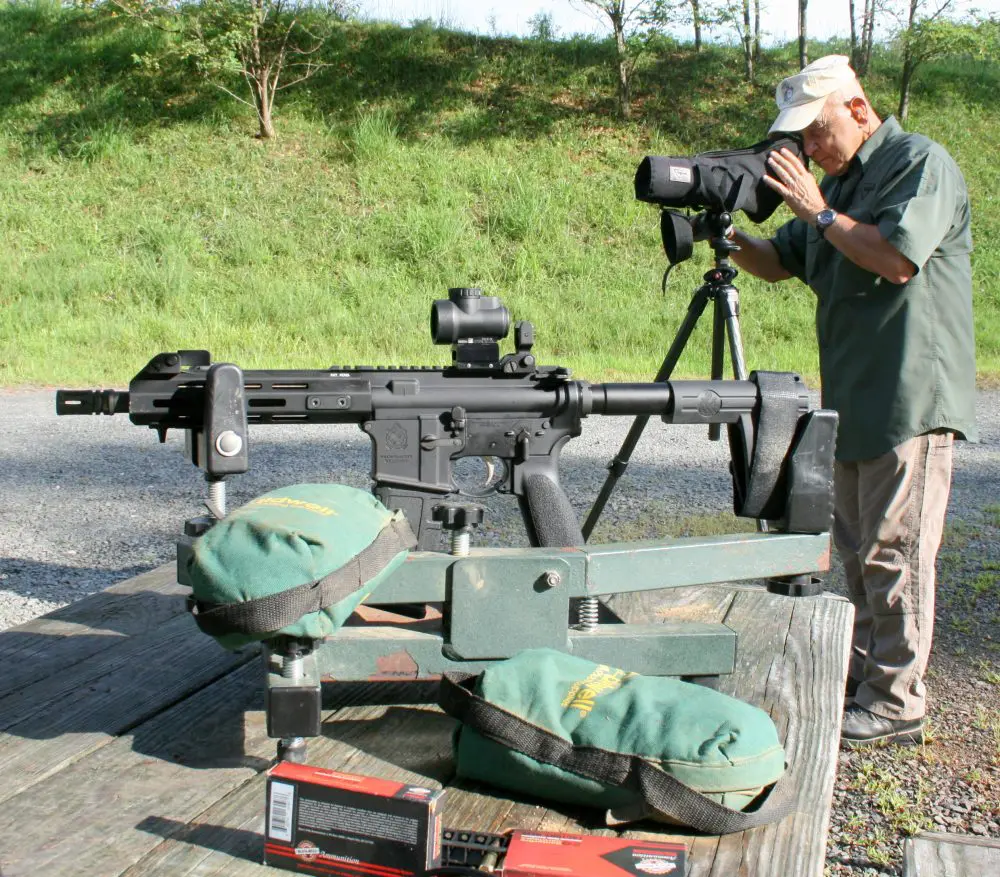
{"type": "Point", "coordinates": [936, 854]}
{"type": "Point", "coordinates": [131, 744]}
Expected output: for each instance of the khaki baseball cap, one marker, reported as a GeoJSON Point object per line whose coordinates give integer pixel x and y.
{"type": "Point", "coordinates": [801, 97]}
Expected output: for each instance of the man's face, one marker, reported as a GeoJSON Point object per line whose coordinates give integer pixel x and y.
{"type": "Point", "coordinates": [833, 139]}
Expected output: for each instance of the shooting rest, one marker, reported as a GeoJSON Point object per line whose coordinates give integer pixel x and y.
{"type": "Point", "coordinates": [494, 602]}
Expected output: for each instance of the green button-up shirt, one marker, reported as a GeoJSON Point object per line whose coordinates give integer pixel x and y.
{"type": "Point", "coordinates": [896, 360]}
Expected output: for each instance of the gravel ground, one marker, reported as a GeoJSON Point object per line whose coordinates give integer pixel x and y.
{"type": "Point", "coordinates": [90, 501]}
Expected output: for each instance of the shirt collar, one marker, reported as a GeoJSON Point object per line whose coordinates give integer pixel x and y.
{"type": "Point", "coordinates": [888, 130]}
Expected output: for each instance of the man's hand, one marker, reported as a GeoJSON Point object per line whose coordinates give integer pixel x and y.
{"type": "Point", "coordinates": [795, 184]}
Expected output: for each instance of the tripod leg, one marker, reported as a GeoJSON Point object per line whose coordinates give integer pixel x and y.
{"type": "Point", "coordinates": [617, 467]}
{"type": "Point", "coordinates": [729, 307]}
{"type": "Point", "coordinates": [718, 359]}
{"type": "Point", "coordinates": [732, 319]}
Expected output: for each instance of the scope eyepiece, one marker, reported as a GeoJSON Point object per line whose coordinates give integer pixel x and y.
{"type": "Point", "coordinates": [467, 314]}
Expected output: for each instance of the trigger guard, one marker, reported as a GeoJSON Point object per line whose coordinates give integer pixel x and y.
{"type": "Point", "coordinates": [494, 486]}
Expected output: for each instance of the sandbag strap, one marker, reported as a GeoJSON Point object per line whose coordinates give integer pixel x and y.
{"type": "Point", "coordinates": [272, 613]}
{"type": "Point", "coordinates": [665, 795]}
{"type": "Point", "coordinates": [776, 423]}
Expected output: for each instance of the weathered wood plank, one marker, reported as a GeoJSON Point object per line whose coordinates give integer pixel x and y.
{"type": "Point", "coordinates": [800, 682]}
{"type": "Point", "coordinates": [708, 603]}
{"type": "Point", "coordinates": [51, 695]}
{"type": "Point", "coordinates": [60, 719]}
{"type": "Point", "coordinates": [937, 854]}
{"type": "Point", "coordinates": [47, 646]}
{"type": "Point", "coordinates": [93, 816]}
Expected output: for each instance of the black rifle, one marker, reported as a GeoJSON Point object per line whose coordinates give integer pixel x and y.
{"type": "Point", "coordinates": [421, 419]}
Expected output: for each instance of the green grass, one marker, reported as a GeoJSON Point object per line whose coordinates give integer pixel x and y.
{"type": "Point", "coordinates": [140, 214]}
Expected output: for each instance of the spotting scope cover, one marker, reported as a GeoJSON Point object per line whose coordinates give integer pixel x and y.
{"type": "Point", "coordinates": [726, 180]}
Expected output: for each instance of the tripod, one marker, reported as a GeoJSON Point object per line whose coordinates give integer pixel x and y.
{"type": "Point", "coordinates": [717, 288]}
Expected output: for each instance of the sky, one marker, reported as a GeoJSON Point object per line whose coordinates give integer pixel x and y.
{"type": "Point", "coordinates": [825, 18]}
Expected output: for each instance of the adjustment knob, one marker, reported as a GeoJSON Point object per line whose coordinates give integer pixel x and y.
{"type": "Point", "coordinates": [457, 515]}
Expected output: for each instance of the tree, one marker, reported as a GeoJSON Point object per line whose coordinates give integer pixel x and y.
{"type": "Point", "coordinates": [541, 27]}
{"type": "Point", "coordinates": [861, 50]}
{"type": "Point", "coordinates": [271, 44]}
{"type": "Point", "coordinates": [736, 14]}
{"type": "Point", "coordinates": [663, 13]}
{"type": "Point", "coordinates": [632, 22]}
{"type": "Point", "coordinates": [930, 33]}
{"type": "Point", "coordinates": [803, 52]}
{"type": "Point", "coordinates": [696, 21]}
{"type": "Point", "coordinates": [756, 32]}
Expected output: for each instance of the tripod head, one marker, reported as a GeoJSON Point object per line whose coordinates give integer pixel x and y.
{"type": "Point", "coordinates": [679, 234]}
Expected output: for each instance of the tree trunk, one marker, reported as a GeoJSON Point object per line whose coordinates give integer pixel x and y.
{"type": "Point", "coordinates": [904, 87]}
{"type": "Point", "coordinates": [262, 102]}
{"type": "Point", "coordinates": [696, 19]}
{"type": "Point", "coordinates": [258, 74]}
{"type": "Point", "coordinates": [868, 38]}
{"type": "Point", "coordinates": [756, 32]}
{"type": "Point", "coordinates": [854, 37]}
{"type": "Point", "coordinates": [803, 52]}
{"type": "Point", "coordinates": [909, 64]}
{"type": "Point", "coordinates": [747, 43]}
{"type": "Point", "coordinates": [624, 74]}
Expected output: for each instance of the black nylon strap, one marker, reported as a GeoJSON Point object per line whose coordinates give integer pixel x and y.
{"type": "Point", "coordinates": [776, 423]}
{"type": "Point", "coordinates": [268, 614]}
{"type": "Point", "coordinates": [665, 795]}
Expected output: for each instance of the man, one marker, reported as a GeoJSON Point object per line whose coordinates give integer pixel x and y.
{"type": "Point", "coordinates": [884, 243]}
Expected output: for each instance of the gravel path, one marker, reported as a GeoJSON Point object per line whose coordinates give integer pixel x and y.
{"type": "Point", "coordinates": [90, 501]}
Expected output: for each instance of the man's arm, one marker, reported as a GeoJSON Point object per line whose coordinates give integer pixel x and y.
{"type": "Point", "coordinates": [759, 257]}
{"type": "Point", "coordinates": [863, 244]}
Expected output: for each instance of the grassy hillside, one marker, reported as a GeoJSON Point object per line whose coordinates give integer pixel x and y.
{"type": "Point", "coordinates": [139, 213]}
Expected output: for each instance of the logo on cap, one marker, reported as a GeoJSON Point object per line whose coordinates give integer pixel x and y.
{"type": "Point", "coordinates": [787, 90]}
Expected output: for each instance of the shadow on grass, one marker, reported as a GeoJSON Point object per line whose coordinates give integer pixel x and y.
{"type": "Point", "coordinates": [472, 88]}
{"type": "Point", "coordinates": [78, 68]}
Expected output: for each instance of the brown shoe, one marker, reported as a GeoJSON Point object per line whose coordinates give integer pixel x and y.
{"type": "Point", "coordinates": [862, 727]}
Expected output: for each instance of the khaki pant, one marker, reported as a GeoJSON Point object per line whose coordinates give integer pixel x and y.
{"type": "Point", "coordinates": [888, 522]}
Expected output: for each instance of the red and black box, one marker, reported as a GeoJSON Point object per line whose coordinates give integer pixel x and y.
{"type": "Point", "coordinates": [543, 854]}
{"type": "Point", "coordinates": [331, 823]}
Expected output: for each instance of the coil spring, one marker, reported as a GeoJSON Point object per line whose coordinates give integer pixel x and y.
{"type": "Point", "coordinates": [587, 613]}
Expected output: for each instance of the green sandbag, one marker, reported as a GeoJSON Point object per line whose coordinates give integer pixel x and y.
{"type": "Point", "coordinates": [295, 562]}
{"type": "Point", "coordinates": [566, 729]}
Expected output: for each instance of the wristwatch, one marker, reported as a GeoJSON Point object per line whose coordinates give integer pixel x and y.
{"type": "Point", "coordinates": [824, 219]}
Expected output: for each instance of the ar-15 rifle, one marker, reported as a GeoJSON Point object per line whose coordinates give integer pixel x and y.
{"type": "Point", "coordinates": [506, 408]}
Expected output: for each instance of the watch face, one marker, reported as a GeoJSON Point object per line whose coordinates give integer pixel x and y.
{"type": "Point", "coordinates": [825, 218]}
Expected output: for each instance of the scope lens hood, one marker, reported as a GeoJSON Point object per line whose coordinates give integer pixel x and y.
{"type": "Point", "coordinates": [677, 235]}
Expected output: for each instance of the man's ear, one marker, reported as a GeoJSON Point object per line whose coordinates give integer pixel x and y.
{"type": "Point", "coordinates": [859, 110]}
